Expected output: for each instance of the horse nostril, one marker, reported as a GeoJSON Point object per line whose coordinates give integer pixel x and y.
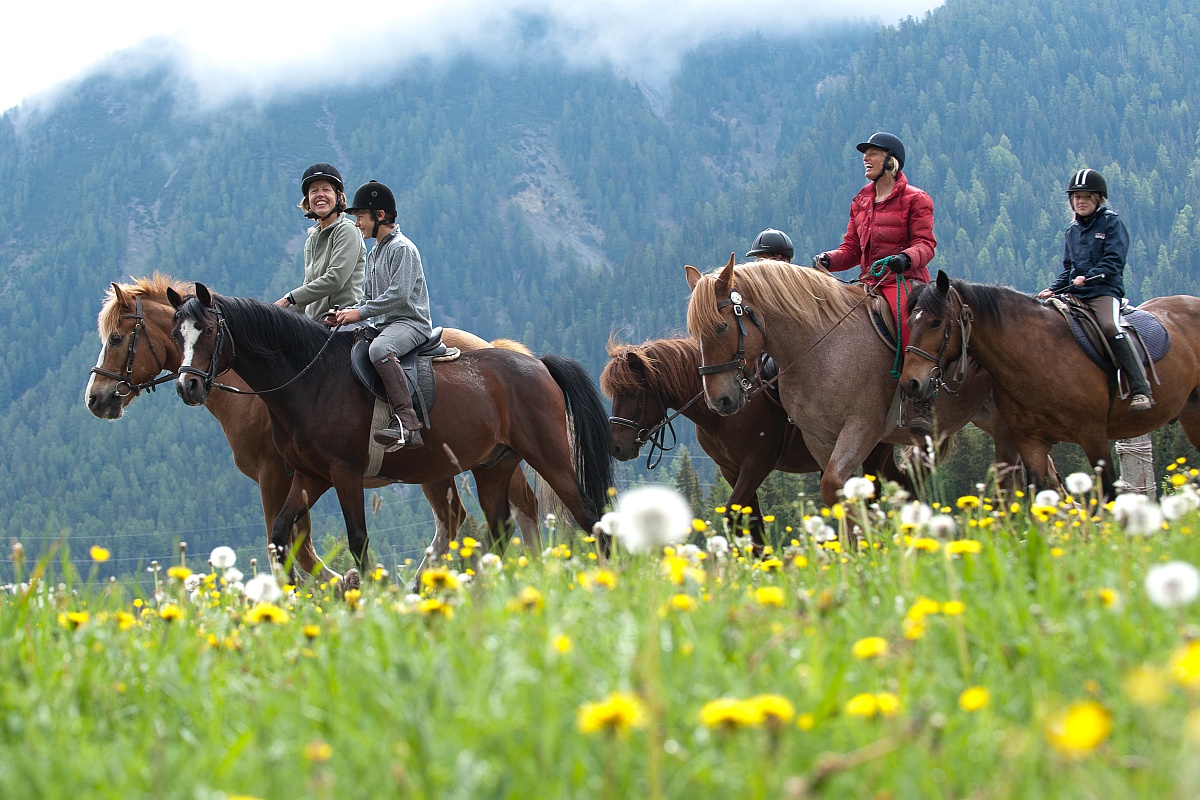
{"type": "Point", "coordinates": [914, 388]}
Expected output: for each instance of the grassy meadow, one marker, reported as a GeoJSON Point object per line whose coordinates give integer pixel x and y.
{"type": "Point", "coordinates": [1024, 647]}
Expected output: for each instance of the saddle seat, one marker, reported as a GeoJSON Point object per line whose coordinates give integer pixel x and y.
{"type": "Point", "coordinates": [883, 319]}
{"type": "Point", "coordinates": [417, 365]}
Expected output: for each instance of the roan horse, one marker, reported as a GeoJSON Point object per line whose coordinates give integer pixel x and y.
{"type": "Point", "coordinates": [495, 407]}
{"type": "Point", "coordinates": [1045, 387]}
{"type": "Point", "coordinates": [136, 348]}
{"type": "Point", "coordinates": [646, 380]}
{"type": "Point", "coordinates": [834, 371]}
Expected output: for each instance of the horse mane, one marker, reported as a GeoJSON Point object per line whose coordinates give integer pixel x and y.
{"type": "Point", "coordinates": [670, 367]}
{"type": "Point", "coordinates": [152, 288]}
{"type": "Point", "coordinates": [990, 303]}
{"type": "Point", "coordinates": [513, 345]}
{"type": "Point", "coordinates": [774, 288]}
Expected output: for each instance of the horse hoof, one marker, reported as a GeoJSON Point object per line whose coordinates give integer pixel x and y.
{"type": "Point", "coordinates": [352, 580]}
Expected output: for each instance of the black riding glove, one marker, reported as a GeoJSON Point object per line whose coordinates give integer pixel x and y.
{"type": "Point", "coordinates": [821, 261]}
{"type": "Point", "coordinates": [900, 263]}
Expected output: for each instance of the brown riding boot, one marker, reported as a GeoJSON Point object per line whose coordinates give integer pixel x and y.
{"type": "Point", "coordinates": [404, 429]}
{"type": "Point", "coordinates": [920, 424]}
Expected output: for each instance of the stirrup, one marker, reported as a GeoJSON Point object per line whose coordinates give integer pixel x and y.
{"type": "Point", "coordinates": [1141, 402]}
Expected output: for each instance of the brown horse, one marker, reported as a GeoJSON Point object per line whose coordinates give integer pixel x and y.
{"type": "Point", "coordinates": [646, 380]}
{"type": "Point", "coordinates": [494, 408]}
{"type": "Point", "coordinates": [1045, 387]}
{"type": "Point", "coordinates": [834, 371]}
{"type": "Point", "coordinates": [136, 348]}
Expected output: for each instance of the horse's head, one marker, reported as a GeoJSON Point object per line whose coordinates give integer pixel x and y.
{"type": "Point", "coordinates": [938, 324]}
{"type": "Point", "coordinates": [203, 340]}
{"type": "Point", "coordinates": [134, 327]}
{"type": "Point", "coordinates": [718, 319]}
{"type": "Point", "coordinates": [636, 408]}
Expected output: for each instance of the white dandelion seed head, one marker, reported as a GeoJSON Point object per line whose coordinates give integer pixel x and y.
{"type": "Point", "coordinates": [1174, 584]}
{"type": "Point", "coordinates": [413, 600]}
{"type": "Point", "coordinates": [1178, 505]}
{"type": "Point", "coordinates": [1139, 515]}
{"type": "Point", "coordinates": [653, 517]}
{"type": "Point", "coordinates": [691, 552]}
{"type": "Point", "coordinates": [263, 588]}
{"type": "Point", "coordinates": [813, 525]}
{"type": "Point", "coordinates": [192, 582]}
{"type": "Point", "coordinates": [491, 561]}
{"type": "Point", "coordinates": [463, 579]}
{"type": "Point", "coordinates": [943, 526]}
{"type": "Point", "coordinates": [222, 557]}
{"type": "Point", "coordinates": [855, 489]}
{"type": "Point", "coordinates": [718, 546]}
{"type": "Point", "coordinates": [915, 515]}
{"type": "Point", "coordinates": [236, 587]}
{"type": "Point", "coordinates": [825, 534]}
{"type": "Point", "coordinates": [195, 597]}
{"type": "Point", "coordinates": [233, 575]}
{"type": "Point", "coordinates": [609, 524]}
{"type": "Point", "coordinates": [1079, 483]}
{"type": "Point", "coordinates": [1047, 497]}
{"type": "Point", "coordinates": [743, 542]}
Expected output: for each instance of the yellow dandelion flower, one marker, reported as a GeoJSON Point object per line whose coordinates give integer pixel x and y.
{"type": "Point", "coordinates": [862, 705]}
{"type": "Point", "coordinates": [923, 607]}
{"type": "Point", "coordinates": [1145, 686]}
{"type": "Point", "coordinates": [125, 620]}
{"type": "Point", "coordinates": [770, 596]}
{"type": "Point", "coordinates": [675, 568]}
{"type": "Point", "coordinates": [266, 612]}
{"type": "Point", "coordinates": [74, 619]}
{"type": "Point", "coordinates": [913, 628]}
{"type": "Point", "coordinates": [888, 704]}
{"type": "Point", "coordinates": [1178, 479]}
{"type": "Point", "coordinates": [683, 602]}
{"type": "Point", "coordinates": [353, 597]}
{"type": "Point", "coordinates": [1109, 598]}
{"type": "Point", "coordinates": [1057, 552]}
{"type": "Point", "coordinates": [719, 509]}
{"type": "Point", "coordinates": [960, 546]}
{"type": "Point", "coordinates": [730, 713]}
{"type": "Point", "coordinates": [170, 612]}
{"type": "Point", "coordinates": [800, 562]}
{"type": "Point", "coordinates": [1079, 729]}
{"type": "Point", "coordinates": [433, 607]}
{"type": "Point", "coordinates": [561, 644]}
{"type": "Point", "coordinates": [616, 714]}
{"type": "Point", "coordinates": [775, 710]}
{"type": "Point", "coordinates": [838, 511]}
{"type": "Point", "coordinates": [311, 631]}
{"type": "Point", "coordinates": [528, 600]}
{"type": "Point", "coordinates": [806, 721]}
{"type": "Point", "coordinates": [973, 698]}
{"type": "Point", "coordinates": [699, 525]}
{"type": "Point", "coordinates": [1184, 665]}
{"type": "Point", "coordinates": [770, 565]}
{"type": "Point", "coordinates": [870, 647]}
{"type": "Point", "coordinates": [439, 579]}
{"type": "Point", "coordinates": [600, 578]}
{"type": "Point", "coordinates": [179, 572]}
{"type": "Point", "coordinates": [318, 751]}
{"type": "Point", "coordinates": [99, 554]}
{"type": "Point", "coordinates": [952, 608]}
{"type": "Point", "coordinates": [967, 501]}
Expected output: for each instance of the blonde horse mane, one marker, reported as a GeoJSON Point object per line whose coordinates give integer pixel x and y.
{"type": "Point", "coordinates": [153, 288]}
{"type": "Point", "coordinates": [776, 288]}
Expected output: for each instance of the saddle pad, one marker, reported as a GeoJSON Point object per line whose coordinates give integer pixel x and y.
{"type": "Point", "coordinates": [883, 318]}
{"type": "Point", "coordinates": [1149, 332]}
{"type": "Point", "coordinates": [418, 369]}
{"type": "Point", "coordinates": [381, 416]}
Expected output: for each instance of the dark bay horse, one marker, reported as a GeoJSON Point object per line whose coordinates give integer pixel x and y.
{"type": "Point", "coordinates": [1045, 387]}
{"type": "Point", "coordinates": [494, 408]}
{"type": "Point", "coordinates": [646, 380]}
{"type": "Point", "coordinates": [135, 324]}
{"type": "Point", "coordinates": [834, 378]}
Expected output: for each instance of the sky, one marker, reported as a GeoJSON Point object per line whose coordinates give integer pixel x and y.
{"type": "Point", "coordinates": [258, 49]}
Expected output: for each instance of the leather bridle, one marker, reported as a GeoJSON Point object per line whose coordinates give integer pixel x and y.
{"type": "Point", "coordinates": [738, 362]}
{"type": "Point", "coordinates": [655, 435]}
{"type": "Point", "coordinates": [209, 376]}
{"type": "Point", "coordinates": [125, 376]}
{"type": "Point", "coordinates": [964, 318]}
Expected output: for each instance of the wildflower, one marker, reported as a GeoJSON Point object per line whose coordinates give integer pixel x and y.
{"type": "Point", "coordinates": [855, 489]}
{"type": "Point", "coordinates": [1139, 516]}
{"type": "Point", "coordinates": [616, 714]}
{"type": "Point", "coordinates": [1079, 483]}
{"type": "Point", "coordinates": [561, 644]}
{"type": "Point", "coordinates": [1185, 664]}
{"type": "Point", "coordinates": [318, 751]}
{"type": "Point", "coordinates": [311, 631]}
{"type": "Point", "coordinates": [1109, 598]}
{"type": "Point", "coordinates": [775, 710]}
{"type": "Point", "coordinates": [1174, 584]}
{"type": "Point", "coordinates": [439, 579]}
{"type": "Point", "coordinates": [718, 546]}
{"type": "Point", "coordinates": [233, 575]}
{"type": "Point", "coordinates": [170, 612]}
{"type": "Point", "coordinates": [1145, 686]}
{"type": "Point", "coordinates": [73, 619]}
{"type": "Point", "coordinates": [1175, 506]}
{"type": "Point", "coordinates": [915, 515]}
{"type": "Point", "coordinates": [813, 525]}
{"type": "Point", "coordinates": [952, 608]}
{"type": "Point", "coordinates": [602, 578]}
{"type": "Point", "coordinates": [730, 714]}
{"type": "Point", "coordinates": [179, 572]}
{"type": "Point", "coordinates": [923, 607]}
{"type": "Point", "coordinates": [869, 705]}
{"type": "Point", "coordinates": [870, 647]}
{"type": "Point", "coordinates": [125, 620]}
{"type": "Point", "coordinates": [222, 557]}
{"type": "Point", "coordinates": [770, 565]}
{"type": "Point", "coordinates": [973, 698]}
{"type": "Point", "coordinates": [960, 546]}
{"type": "Point", "coordinates": [770, 596]}
{"type": "Point", "coordinates": [352, 598]}
{"type": "Point", "coordinates": [99, 554]}
{"type": "Point", "coordinates": [967, 501]}
{"type": "Point", "coordinates": [491, 561]}
{"type": "Point", "coordinates": [806, 721]}
{"type": "Point", "coordinates": [922, 543]}
{"type": "Point", "coordinates": [942, 526]}
{"type": "Point", "coordinates": [266, 612]}
{"type": "Point", "coordinates": [652, 517]}
{"type": "Point", "coordinates": [192, 582]}
{"type": "Point", "coordinates": [1079, 729]}
{"type": "Point", "coordinates": [433, 606]}
{"type": "Point", "coordinates": [263, 588]}
{"type": "Point", "coordinates": [699, 525]}
{"type": "Point", "coordinates": [683, 602]}
{"type": "Point", "coordinates": [888, 704]}
{"type": "Point", "coordinates": [529, 600]}
{"type": "Point", "coordinates": [1047, 497]}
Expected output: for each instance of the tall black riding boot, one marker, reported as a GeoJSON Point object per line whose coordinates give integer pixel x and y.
{"type": "Point", "coordinates": [1140, 397]}
{"type": "Point", "coordinates": [404, 429]}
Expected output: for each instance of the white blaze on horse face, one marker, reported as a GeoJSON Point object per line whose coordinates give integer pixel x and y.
{"type": "Point", "coordinates": [87, 391]}
{"type": "Point", "coordinates": [916, 316]}
{"type": "Point", "coordinates": [190, 332]}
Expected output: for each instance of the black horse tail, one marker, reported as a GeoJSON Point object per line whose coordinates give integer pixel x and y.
{"type": "Point", "coordinates": [593, 458]}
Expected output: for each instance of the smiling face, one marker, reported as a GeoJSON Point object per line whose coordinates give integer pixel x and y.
{"type": "Point", "coordinates": [874, 160]}
{"type": "Point", "coordinates": [322, 198]}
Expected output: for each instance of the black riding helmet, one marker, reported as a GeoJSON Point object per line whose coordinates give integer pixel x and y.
{"type": "Point", "coordinates": [321, 172]}
{"type": "Point", "coordinates": [887, 142]}
{"type": "Point", "coordinates": [1088, 180]}
{"type": "Point", "coordinates": [772, 243]}
{"type": "Point", "coordinates": [374, 196]}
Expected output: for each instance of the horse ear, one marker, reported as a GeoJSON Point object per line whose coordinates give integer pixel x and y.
{"type": "Point", "coordinates": [173, 297]}
{"type": "Point", "coordinates": [119, 296]}
{"type": "Point", "coordinates": [203, 295]}
{"type": "Point", "coordinates": [635, 363]}
{"type": "Point", "coordinates": [725, 279]}
{"type": "Point", "coordinates": [943, 282]}
{"type": "Point", "coordinates": [693, 275]}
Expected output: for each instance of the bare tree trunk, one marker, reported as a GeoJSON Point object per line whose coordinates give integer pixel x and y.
{"type": "Point", "coordinates": [1136, 457]}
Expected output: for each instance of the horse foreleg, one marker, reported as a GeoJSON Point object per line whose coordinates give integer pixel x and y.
{"type": "Point", "coordinates": [303, 492]}
{"type": "Point", "coordinates": [745, 483]}
{"type": "Point", "coordinates": [525, 511]}
{"type": "Point", "coordinates": [1038, 468]}
{"type": "Point", "coordinates": [273, 486]}
{"type": "Point", "coordinates": [1099, 454]}
{"type": "Point", "coordinates": [881, 463]}
{"type": "Point", "coordinates": [349, 488]}
{"type": "Point", "coordinates": [853, 445]}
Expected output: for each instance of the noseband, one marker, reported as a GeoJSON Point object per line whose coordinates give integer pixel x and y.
{"type": "Point", "coordinates": [124, 377]}
{"type": "Point", "coordinates": [738, 362]}
{"type": "Point", "coordinates": [964, 318]}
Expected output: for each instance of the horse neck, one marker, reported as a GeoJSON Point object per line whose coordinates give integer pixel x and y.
{"type": "Point", "coordinates": [992, 342]}
{"type": "Point", "coordinates": [265, 373]}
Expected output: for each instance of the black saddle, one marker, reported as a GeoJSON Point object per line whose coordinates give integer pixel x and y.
{"type": "Point", "coordinates": [1150, 339]}
{"type": "Point", "coordinates": [417, 365]}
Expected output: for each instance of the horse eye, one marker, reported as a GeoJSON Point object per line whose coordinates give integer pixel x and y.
{"type": "Point", "coordinates": [629, 393]}
{"type": "Point", "coordinates": [937, 323]}
{"type": "Point", "coordinates": [115, 339]}
{"type": "Point", "coordinates": [208, 330]}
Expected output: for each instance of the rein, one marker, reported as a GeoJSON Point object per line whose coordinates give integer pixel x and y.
{"type": "Point", "coordinates": [655, 435]}
{"type": "Point", "coordinates": [126, 374]}
{"type": "Point", "coordinates": [965, 318]}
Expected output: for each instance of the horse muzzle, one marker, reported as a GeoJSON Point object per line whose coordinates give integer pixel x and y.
{"type": "Point", "coordinates": [920, 390]}
{"type": "Point", "coordinates": [106, 405]}
{"type": "Point", "coordinates": [191, 390]}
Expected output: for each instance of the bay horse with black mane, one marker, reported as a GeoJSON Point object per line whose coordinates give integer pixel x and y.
{"type": "Point", "coordinates": [135, 324]}
{"type": "Point", "coordinates": [495, 407]}
{"type": "Point", "coordinates": [1046, 387]}
{"type": "Point", "coordinates": [835, 377]}
{"type": "Point", "coordinates": [645, 381]}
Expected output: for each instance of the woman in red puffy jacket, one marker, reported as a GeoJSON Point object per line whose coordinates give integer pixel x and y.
{"type": "Point", "coordinates": [891, 225]}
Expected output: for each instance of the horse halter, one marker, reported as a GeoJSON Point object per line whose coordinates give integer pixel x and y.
{"type": "Point", "coordinates": [126, 374]}
{"type": "Point", "coordinates": [964, 318]}
{"type": "Point", "coordinates": [209, 376]}
{"type": "Point", "coordinates": [738, 362]}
